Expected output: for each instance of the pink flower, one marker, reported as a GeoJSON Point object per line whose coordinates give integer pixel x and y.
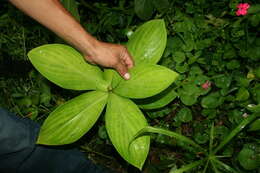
{"type": "Point", "coordinates": [242, 9]}
{"type": "Point", "coordinates": [243, 5]}
{"type": "Point", "coordinates": [240, 12]}
{"type": "Point", "coordinates": [206, 85]}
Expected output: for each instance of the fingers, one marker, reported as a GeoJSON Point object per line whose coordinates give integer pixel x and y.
{"type": "Point", "coordinates": [122, 70]}
{"type": "Point", "coordinates": [129, 61]}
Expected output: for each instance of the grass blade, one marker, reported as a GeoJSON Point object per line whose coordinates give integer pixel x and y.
{"type": "Point", "coordinates": [211, 138]}
{"type": "Point", "coordinates": [214, 166]}
{"type": "Point", "coordinates": [225, 166]}
{"type": "Point", "coordinates": [234, 132]}
{"type": "Point", "coordinates": [180, 137]}
{"type": "Point", "coordinates": [206, 167]}
{"type": "Point", "coordinates": [188, 167]}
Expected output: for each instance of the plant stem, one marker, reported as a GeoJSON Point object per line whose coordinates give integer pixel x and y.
{"type": "Point", "coordinates": [234, 132]}
{"type": "Point", "coordinates": [188, 167]}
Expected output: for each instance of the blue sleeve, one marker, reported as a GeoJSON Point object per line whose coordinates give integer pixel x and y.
{"type": "Point", "coordinates": [20, 154]}
{"type": "Point", "coordinates": [17, 138]}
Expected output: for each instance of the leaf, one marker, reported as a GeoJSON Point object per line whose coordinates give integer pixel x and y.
{"type": "Point", "coordinates": [248, 158]}
{"type": "Point", "coordinates": [223, 165]}
{"type": "Point", "coordinates": [72, 120]}
{"type": "Point", "coordinates": [146, 80]}
{"type": "Point", "coordinates": [253, 108]}
{"type": "Point", "coordinates": [112, 77]}
{"type": "Point", "coordinates": [212, 101]}
{"type": "Point", "coordinates": [214, 166]}
{"type": "Point", "coordinates": [144, 9]}
{"type": "Point", "coordinates": [188, 167]}
{"type": "Point", "coordinates": [178, 136]}
{"type": "Point", "coordinates": [148, 42]}
{"type": "Point", "coordinates": [211, 139]}
{"type": "Point", "coordinates": [223, 81]}
{"type": "Point", "coordinates": [188, 99]}
{"type": "Point", "coordinates": [255, 126]}
{"type": "Point", "coordinates": [159, 100]}
{"type": "Point", "coordinates": [161, 6]}
{"type": "Point", "coordinates": [234, 132]}
{"type": "Point", "coordinates": [123, 121]}
{"type": "Point", "coordinates": [178, 57]}
{"type": "Point", "coordinates": [72, 7]}
{"type": "Point", "coordinates": [254, 9]}
{"type": "Point", "coordinates": [66, 67]}
{"type": "Point", "coordinates": [242, 94]}
{"type": "Point", "coordinates": [184, 115]}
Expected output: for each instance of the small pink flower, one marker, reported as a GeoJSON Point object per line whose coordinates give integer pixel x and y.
{"type": "Point", "coordinates": [240, 12]}
{"type": "Point", "coordinates": [206, 85]}
{"type": "Point", "coordinates": [243, 5]}
{"type": "Point", "coordinates": [242, 9]}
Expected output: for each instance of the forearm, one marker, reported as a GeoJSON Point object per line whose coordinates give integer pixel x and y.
{"type": "Point", "coordinates": [54, 16]}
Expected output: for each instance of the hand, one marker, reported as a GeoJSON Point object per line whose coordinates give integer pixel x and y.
{"type": "Point", "coordinates": [111, 55]}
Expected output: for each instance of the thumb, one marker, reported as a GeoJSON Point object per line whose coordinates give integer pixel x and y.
{"type": "Point", "coordinates": [122, 70]}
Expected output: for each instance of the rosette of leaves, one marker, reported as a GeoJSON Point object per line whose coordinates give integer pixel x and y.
{"type": "Point", "coordinates": [67, 68]}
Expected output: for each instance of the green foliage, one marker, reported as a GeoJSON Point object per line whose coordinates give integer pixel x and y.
{"type": "Point", "coordinates": [149, 79]}
{"type": "Point", "coordinates": [248, 158]}
{"type": "Point", "coordinates": [72, 120]}
{"type": "Point", "coordinates": [148, 42]}
{"type": "Point", "coordinates": [215, 52]}
{"type": "Point", "coordinates": [66, 67]}
{"type": "Point", "coordinates": [123, 121]}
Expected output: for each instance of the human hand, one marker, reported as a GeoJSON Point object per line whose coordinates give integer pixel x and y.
{"type": "Point", "coordinates": [111, 55]}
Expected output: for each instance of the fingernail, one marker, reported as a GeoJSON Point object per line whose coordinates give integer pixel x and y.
{"type": "Point", "coordinates": [127, 76]}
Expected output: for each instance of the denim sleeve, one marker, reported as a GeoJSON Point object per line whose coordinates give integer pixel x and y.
{"type": "Point", "coordinates": [17, 138]}
{"type": "Point", "coordinates": [20, 154]}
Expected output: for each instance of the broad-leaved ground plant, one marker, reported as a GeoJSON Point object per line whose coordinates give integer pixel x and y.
{"type": "Point", "coordinates": [67, 68]}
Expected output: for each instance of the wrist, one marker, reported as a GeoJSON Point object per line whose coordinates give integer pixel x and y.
{"type": "Point", "coordinates": [89, 45]}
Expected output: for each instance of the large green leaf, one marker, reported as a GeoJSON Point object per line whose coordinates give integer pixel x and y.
{"type": "Point", "coordinates": [146, 80]}
{"type": "Point", "coordinates": [148, 42]}
{"type": "Point", "coordinates": [123, 121]}
{"type": "Point", "coordinates": [70, 121]}
{"type": "Point", "coordinates": [66, 67]}
{"type": "Point", "coordinates": [159, 100]}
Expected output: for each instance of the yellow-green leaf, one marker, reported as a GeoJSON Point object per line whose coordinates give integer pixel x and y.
{"type": "Point", "coordinates": [148, 42]}
{"type": "Point", "coordinates": [72, 120]}
{"type": "Point", "coordinates": [123, 121]}
{"type": "Point", "coordinates": [66, 67]}
{"type": "Point", "coordinates": [146, 80]}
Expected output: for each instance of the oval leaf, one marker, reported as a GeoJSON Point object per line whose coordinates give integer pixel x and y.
{"type": "Point", "coordinates": [66, 67]}
{"type": "Point", "coordinates": [148, 42]}
{"type": "Point", "coordinates": [159, 100]}
{"type": "Point", "coordinates": [144, 9]}
{"type": "Point", "coordinates": [70, 121]}
{"type": "Point", "coordinates": [249, 158]}
{"type": "Point", "coordinates": [146, 80]}
{"type": "Point", "coordinates": [123, 121]}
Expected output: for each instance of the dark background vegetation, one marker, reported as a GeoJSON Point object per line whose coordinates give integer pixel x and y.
{"type": "Point", "coordinates": [206, 42]}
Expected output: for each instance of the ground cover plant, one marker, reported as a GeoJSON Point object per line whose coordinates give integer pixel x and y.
{"type": "Point", "coordinates": [64, 66]}
{"type": "Point", "coordinates": [212, 45]}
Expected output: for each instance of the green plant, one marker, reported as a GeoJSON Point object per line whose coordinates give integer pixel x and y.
{"type": "Point", "coordinates": [66, 67]}
{"type": "Point", "coordinates": [210, 157]}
